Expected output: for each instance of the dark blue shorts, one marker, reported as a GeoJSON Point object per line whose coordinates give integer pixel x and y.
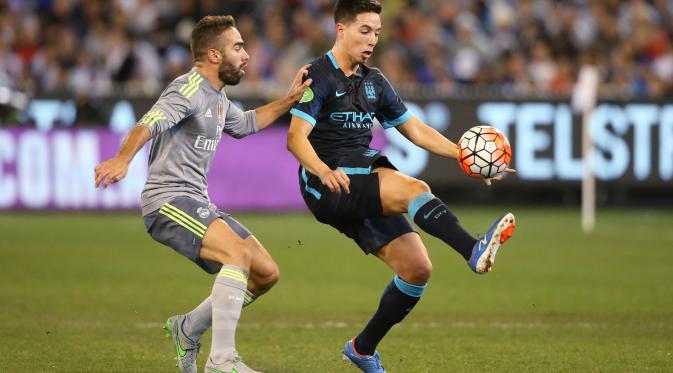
{"type": "Point", "coordinates": [181, 224]}
{"type": "Point", "coordinates": [358, 215]}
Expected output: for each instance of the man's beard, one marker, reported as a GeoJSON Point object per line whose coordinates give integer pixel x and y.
{"type": "Point", "coordinates": [229, 74]}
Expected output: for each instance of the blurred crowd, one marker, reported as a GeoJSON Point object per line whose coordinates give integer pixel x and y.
{"type": "Point", "coordinates": [456, 48]}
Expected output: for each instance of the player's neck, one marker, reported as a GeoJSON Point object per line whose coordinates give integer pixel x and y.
{"type": "Point", "coordinates": [348, 66]}
{"type": "Point", "coordinates": [210, 74]}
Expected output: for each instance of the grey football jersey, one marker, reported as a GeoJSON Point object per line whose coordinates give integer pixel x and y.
{"type": "Point", "coordinates": [186, 123]}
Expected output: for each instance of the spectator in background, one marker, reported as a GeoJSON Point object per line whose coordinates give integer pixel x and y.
{"type": "Point", "coordinates": [137, 46]}
{"type": "Point", "coordinates": [10, 66]}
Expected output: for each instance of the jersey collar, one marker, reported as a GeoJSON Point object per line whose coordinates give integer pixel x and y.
{"type": "Point", "coordinates": [210, 86]}
{"type": "Point", "coordinates": [334, 61]}
{"type": "Point", "coordinates": [357, 72]}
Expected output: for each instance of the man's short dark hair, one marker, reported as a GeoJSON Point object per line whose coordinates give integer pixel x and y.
{"type": "Point", "coordinates": [206, 32]}
{"type": "Point", "coordinates": [345, 11]}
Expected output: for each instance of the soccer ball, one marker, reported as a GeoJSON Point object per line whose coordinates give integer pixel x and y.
{"type": "Point", "coordinates": [483, 151]}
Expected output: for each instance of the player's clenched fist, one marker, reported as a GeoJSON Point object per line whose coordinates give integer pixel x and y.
{"type": "Point", "coordinates": [110, 172]}
{"type": "Point", "coordinates": [336, 180]}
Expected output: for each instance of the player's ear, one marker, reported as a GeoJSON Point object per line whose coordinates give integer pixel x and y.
{"type": "Point", "coordinates": [340, 28]}
{"type": "Point", "coordinates": [214, 56]}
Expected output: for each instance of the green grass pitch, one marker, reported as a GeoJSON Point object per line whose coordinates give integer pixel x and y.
{"type": "Point", "coordinates": [90, 293]}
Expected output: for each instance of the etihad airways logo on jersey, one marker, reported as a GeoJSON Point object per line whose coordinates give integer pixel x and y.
{"type": "Point", "coordinates": [353, 119]}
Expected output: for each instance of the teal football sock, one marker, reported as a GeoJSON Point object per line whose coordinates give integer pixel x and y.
{"type": "Point", "coordinates": [398, 299]}
{"type": "Point", "coordinates": [432, 216]}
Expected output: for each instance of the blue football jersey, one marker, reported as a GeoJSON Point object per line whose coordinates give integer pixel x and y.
{"type": "Point", "coordinates": [342, 109]}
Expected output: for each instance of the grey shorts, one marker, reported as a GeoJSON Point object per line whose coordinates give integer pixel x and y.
{"type": "Point", "coordinates": [181, 224]}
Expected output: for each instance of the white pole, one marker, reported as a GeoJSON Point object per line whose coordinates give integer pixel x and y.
{"type": "Point", "coordinates": [588, 180]}
{"type": "Point", "coordinates": [584, 101]}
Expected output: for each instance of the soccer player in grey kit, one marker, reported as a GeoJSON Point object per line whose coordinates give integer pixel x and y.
{"type": "Point", "coordinates": [186, 124]}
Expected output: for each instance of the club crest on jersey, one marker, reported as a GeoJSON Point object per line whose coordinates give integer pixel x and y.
{"type": "Point", "coordinates": [369, 90]}
{"type": "Point", "coordinates": [203, 212]}
{"type": "Point", "coordinates": [220, 111]}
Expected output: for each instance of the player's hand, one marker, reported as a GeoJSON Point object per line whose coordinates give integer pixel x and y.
{"type": "Point", "coordinates": [297, 89]}
{"type": "Point", "coordinates": [336, 180]}
{"type": "Point", "coordinates": [110, 172]}
{"type": "Point", "coordinates": [499, 177]}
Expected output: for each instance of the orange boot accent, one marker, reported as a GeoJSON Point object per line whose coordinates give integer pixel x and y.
{"type": "Point", "coordinates": [507, 233]}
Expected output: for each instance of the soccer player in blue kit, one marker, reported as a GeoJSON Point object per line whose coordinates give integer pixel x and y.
{"type": "Point", "coordinates": [186, 125]}
{"type": "Point", "coordinates": [357, 190]}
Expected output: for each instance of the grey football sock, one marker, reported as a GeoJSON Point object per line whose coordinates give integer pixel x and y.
{"type": "Point", "coordinates": [248, 298]}
{"type": "Point", "coordinates": [227, 300]}
{"type": "Point", "coordinates": [201, 318]}
{"type": "Point", "coordinates": [198, 320]}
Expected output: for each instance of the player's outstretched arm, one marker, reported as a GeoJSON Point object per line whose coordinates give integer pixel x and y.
{"type": "Point", "coordinates": [431, 140]}
{"type": "Point", "coordinates": [114, 169]}
{"type": "Point", "coordinates": [427, 138]}
{"type": "Point", "coordinates": [301, 148]}
{"type": "Point", "coordinates": [268, 113]}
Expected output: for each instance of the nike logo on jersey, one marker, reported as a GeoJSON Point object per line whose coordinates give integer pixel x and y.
{"type": "Point", "coordinates": [339, 94]}
{"type": "Point", "coordinates": [209, 114]}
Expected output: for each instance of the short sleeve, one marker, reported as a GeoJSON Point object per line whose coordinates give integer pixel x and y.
{"type": "Point", "coordinates": [310, 104]}
{"type": "Point", "coordinates": [239, 123]}
{"type": "Point", "coordinates": [391, 111]}
{"type": "Point", "coordinates": [169, 110]}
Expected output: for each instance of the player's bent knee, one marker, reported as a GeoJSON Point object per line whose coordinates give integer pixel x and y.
{"type": "Point", "coordinates": [276, 273]}
{"type": "Point", "coordinates": [419, 274]}
{"type": "Point", "coordinates": [264, 273]}
{"type": "Point", "coordinates": [421, 186]}
{"type": "Point", "coordinates": [417, 187]}
{"type": "Point", "coordinates": [271, 277]}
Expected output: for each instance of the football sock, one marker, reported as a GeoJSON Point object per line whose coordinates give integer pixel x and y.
{"type": "Point", "coordinates": [227, 299]}
{"type": "Point", "coordinates": [432, 215]}
{"type": "Point", "coordinates": [198, 320]}
{"type": "Point", "coordinates": [248, 298]}
{"type": "Point", "coordinates": [397, 300]}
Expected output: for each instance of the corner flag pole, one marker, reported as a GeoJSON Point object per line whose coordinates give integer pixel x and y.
{"type": "Point", "coordinates": [584, 101]}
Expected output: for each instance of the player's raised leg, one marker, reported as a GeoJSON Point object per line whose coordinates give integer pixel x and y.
{"type": "Point", "coordinates": [401, 193]}
{"type": "Point", "coordinates": [222, 244]}
{"type": "Point", "coordinates": [407, 256]}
